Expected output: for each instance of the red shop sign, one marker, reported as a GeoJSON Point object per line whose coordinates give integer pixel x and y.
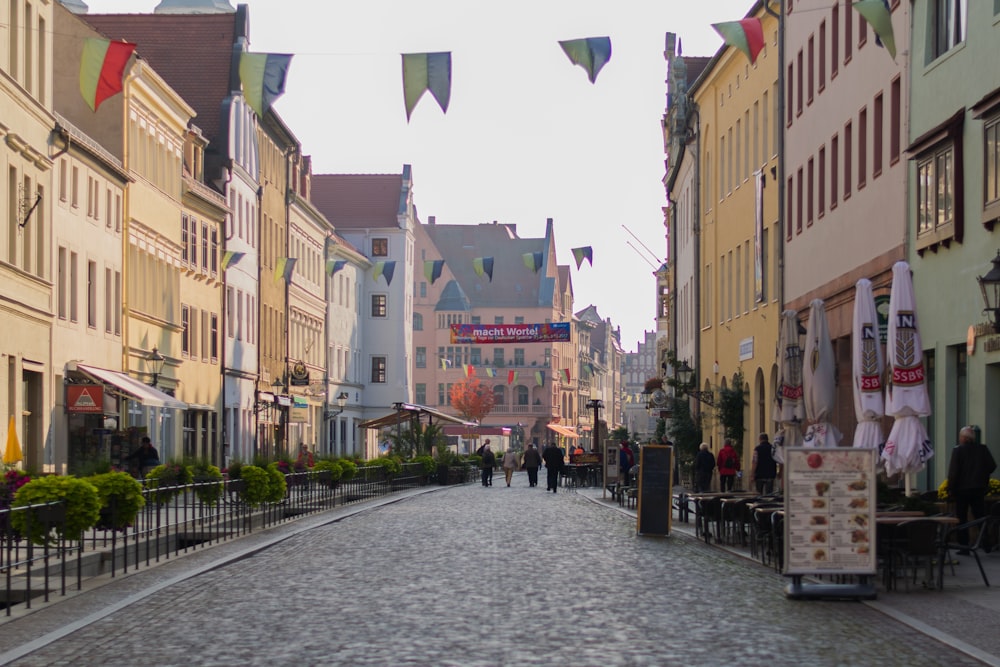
{"type": "Point", "coordinates": [85, 398]}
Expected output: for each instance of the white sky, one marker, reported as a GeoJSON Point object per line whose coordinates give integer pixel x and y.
{"type": "Point", "coordinates": [526, 137]}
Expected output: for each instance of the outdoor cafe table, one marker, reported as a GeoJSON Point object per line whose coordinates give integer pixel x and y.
{"type": "Point", "coordinates": [886, 523]}
{"type": "Point", "coordinates": [700, 518]}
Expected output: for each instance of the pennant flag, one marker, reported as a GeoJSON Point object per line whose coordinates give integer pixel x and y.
{"type": "Point", "coordinates": [591, 53]}
{"type": "Point", "coordinates": [284, 268]}
{"type": "Point", "coordinates": [432, 269]}
{"type": "Point", "coordinates": [491, 372]}
{"type": "Point", "coordinates": [590, 368]}
{"type": "Point", "coordinates": [426, 71]}
{"type": "Point", "coordinates": [444, 364]}
{"type": "Point", "coordinates": [511, 377]}
{"type": "Point", "coordinates": [469, 369]}
{"type": "Point", "coordinates": [539, 378]}
{"type": "Point", "coordinates": [746, 35]}
{"type": "Point", "coordinates": [628, 398]}
{"type": "Point", "coordinates": [102, 66]}
{"type": "Point", "coordinates": [231, 258]}
{"type": "Point", "coordinates": [483, 265]}
{"type": "Point", "coordinates": [579, 254]}
{"type": "Point", "coordinates": [876, 12]}
{"type": "Point", "coordinates": [263, 77]}
{"type": "Point", "coordinates": [565, 375]}
{"type": "Point", "coordinates": [12, 454]}
{"type": "Point", "coordinates": [532, 260]}
{"type": "Point", "coordinates": [334, 265]}
{"type": "Point", "coordinates": [385, 268]}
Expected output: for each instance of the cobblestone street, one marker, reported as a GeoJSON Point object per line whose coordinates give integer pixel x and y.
{"type": "Point", "coordinates": [490, 576]}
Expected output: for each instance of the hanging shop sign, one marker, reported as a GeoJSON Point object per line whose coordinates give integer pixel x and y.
{"type": "Point", "coordinates": [85, 399]}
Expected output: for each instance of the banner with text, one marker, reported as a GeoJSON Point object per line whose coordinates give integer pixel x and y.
{"type": "Point", "coordinates": [489, 334]}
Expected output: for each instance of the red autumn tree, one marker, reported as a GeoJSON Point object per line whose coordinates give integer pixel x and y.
{"type": "Point", "coordinates": [472, 399]}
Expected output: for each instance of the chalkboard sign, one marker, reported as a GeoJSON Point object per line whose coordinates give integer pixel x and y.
{"type": "Point", "coordinates": [655, 490]}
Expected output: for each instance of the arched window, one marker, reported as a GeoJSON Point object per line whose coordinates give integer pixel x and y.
{"type": "Point", "coordinates": [499, 395]}
{"type": "Point", "coordinates": [521, 395]}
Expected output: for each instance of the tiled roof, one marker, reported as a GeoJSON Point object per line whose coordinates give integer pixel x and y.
{"type": "Point", "coordinates": [357, 201]}
{"type": "Point", "coordinates": [453, 298]}
{"type": "Point", "coordinates": [513, 284]}
{"type": "Point", "coordinates": [192, 52]}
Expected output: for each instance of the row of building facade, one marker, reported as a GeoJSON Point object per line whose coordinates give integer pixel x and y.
{"type": "Point", "coordinates": [824, 162]}
{"type": "Point", "coordinates": [173, 267]}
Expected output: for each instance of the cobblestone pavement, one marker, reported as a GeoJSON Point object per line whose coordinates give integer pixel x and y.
{"type": "Point", "coordinates": [489, 576]}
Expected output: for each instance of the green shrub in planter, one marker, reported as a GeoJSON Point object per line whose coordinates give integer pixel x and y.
{"type": "Point", "coordinates": [277, 485]}
{"type": "Point", "coordinates": [428, 463]}
{"type": "Point", "coordinates": [257, 485]}
{"type": "Point", "coordinates": [335, 469]}
{"type": "Point", "coordinates": [349, 469]}
{"type": "Point", "coordinates": [388, 464]}
{"type": "Point", "coordinates": [208, 482]}
{"type": "Point", "coordinates": [168, 475]}
{"type": "Point", "coordinates": [124, 492]}
{"type": "Point", "coordinates": [83, 507]}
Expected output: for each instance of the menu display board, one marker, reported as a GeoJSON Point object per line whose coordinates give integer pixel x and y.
{"type": "Point", "coordinates": [829, 511]}
{"type": "Point", "coordinates": [653, 510]}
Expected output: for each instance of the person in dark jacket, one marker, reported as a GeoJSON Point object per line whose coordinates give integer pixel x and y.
{"type": "Point", "coordinates": [704, 465]}
{"type": "Point", "coordinates": [553, 458]}
{"type": "Point", "coordinates": [532, 461]}
{"type": "Point", "coordinates": [764, 469]}
{"type": "Point", "coordinates": [146, 456]}
{"type": "Point", "coordinates": [489, 462]}
{"type": "Point", "coordinates": [969, 479]}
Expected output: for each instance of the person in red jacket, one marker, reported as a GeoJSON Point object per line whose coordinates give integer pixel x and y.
{"type": "Point", "coordinates": [728, 462]}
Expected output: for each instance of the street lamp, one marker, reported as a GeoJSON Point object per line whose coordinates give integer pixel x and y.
{"type": "Point", "coordinates": [686, 383]}
{"type": "Point", "coordinates": [278, 386]}
{"type": "Point", "coordinates": [990, 286]}
{"type": "Point", "coordinates": [341, 404]}
{"type": "Point", "coordinates": [155, 361]}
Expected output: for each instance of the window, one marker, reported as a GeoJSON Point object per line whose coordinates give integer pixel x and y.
{"type": "Point", "coordinates": [421, 357]}
{"type": "Point", "coordinates": [92, 295]}
{"type": "Point", "coordinates": [862, 147]}
{"type": "Point", "coordinates": [185, 330]}
{"type": "Point", "coordinates": [107, 208]}
{"type": "Point", "coordinates": [789, 205]}
{"type": "Point", "coordinates": [519, 356]}
{"type": "Point", "coordinates": [798, 93]}
{"type": "Point", "coordinates": [848, 139]}
{"type": "Point", "coordinates": [895, 124]}
{"type": "Point", "coordinates": [441, 394]}
{"type": "Point", "coordinates": [75, 188]}
{"type": "Point", "coordinates": [61, 277]}
{"type": "Point", "coordinates": [418, 322]}
{"type": "Point", "coordinates": [821, 184]}
{"type": "Point", "coordinates": [214, 261]}
{"type": "Point", "coordinates": [822, 56]}
{"type": "Point", "coordinates": [184, 239]}
{"type": "Point", "coordinates": [947, 26]}
{"type": "Point", "coordinates": [476, 356]}
{"type": "Point", "coordinates": [834, 40]}
{"type": "Point", "coordinates": [809, 192]}
{"type": "Point", "coordinates": [521, 395]}
{"type": "Point", "coordinates": [205, 335]}
{"type": "Point", "coordinates": [991, 168]}
{"type": "Point", "coordinates": [798, 202]}
{"type": "Point", "coordinates": [204, 247]}
{"type": "Point", "coordinates": [789, 93]}
{"type": "Point", "coordinates": [423, 290]}
{"type": "Point", "coordinates": [877, 137]}
{"type": "Point", "coordinates": [420, 393]}
{"type": "Point", "coordinates": [519, 319]}
{"type": "Point", "coordinates": [935, 192]}
{"type": "Point", "coordinates": [498, 319]}
{"type": "Point", "coordinates": [230, 311]}
{"type": "Point", "coordinates": [812, 70]}
{"type": "Point", "coordinates": [834, 167]}
{"type": "Point", "coordinates": [118, 303]}
{"type": "Point", "coordinates": [848, 31]}
{"type": "Point", "coordinates": [380, 247]}
{"type": "Point", "coordinates": [62, 180]}
{"type": "Point", "coordinates": [108, 300]}
{"type": "Point", "coordinates": [498, 356]}
{"type": "Point", "coordinates": [378, 370]}
{"type": "Point", "coordinates": [214, 338]}
{"type": "Point", "coordinates": [379, 305]}
{"type": "Point", "coordinates": [193, 243]}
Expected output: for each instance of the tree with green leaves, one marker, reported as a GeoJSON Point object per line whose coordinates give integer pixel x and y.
{"type": "Point", "coordinates": [729, 407]}
{"type": "Point", "coordinates": [417, 440]}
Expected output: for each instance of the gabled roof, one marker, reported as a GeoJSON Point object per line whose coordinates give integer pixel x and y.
{"type": "Point", "coordinates": [513, 284]}
{"type": "Point", "coordinates": [192, 52]}
{"type": "Point", "coordinates": [358, 201]}
{"type": "Point", "coordinates": [453, 298]}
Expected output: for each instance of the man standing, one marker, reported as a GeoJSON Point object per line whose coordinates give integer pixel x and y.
{"type": "Point", "coordinates": [553, 458]}
{"type": "Point", "coordinates": [763, 467]}
{"type": "Point", "coordinates": [532, 461]}
{"type": "Point", "coordinates": [147, 456]}
{"type": "Point", "coordinates": [969, 479]}
{"type": "Point", "coordinates": [704, 466]}
{"type": "Point", "coordinates": [488, 463]}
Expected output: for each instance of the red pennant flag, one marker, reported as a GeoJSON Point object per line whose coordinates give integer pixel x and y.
{"type": "Point", "coordinates": [102, 66]}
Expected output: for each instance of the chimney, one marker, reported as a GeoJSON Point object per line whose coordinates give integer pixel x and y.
{"type": "Point", "coordinates": [431, 219]}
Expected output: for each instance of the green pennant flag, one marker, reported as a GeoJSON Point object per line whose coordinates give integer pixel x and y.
{"type": "Point", "coordinates": [877, 13]}
{"type": "Point", "coordinates": [579, 254]}
{"type": "Point", "coordinates": [532, 260]}
{"type": "Point", "coordinates": [426, 71]}
{"type": "Point", "coordinates": [483, 265]}
{"type": "Point", "coordinates": [591, 54]}
{"type": "Point", "coordinates": [263, 77]}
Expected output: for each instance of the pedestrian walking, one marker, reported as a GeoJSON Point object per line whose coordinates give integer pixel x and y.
{"type": "Point", "coordinates": [625, 462]}
{"type": "Point", "coordinates": [969, 479]}
{"type": "Point", "coordinates": [489, 462]}
{"type": "Point", "coordinates": [763, 468]}
{"type": "Point", "coordinates": [509, 464]}
{"type": "Point", "coordinates": [532, 461]}
{"type": "Point", "coordinates": [553, 458]}
{"type": "Point", "coordinates": [704, 466]}
{"type": "Point", "coordinates": [728, 462]}
{"type": "Point", "coordinates": [146, 456]}
{"type": "Point", "coordinates": [305, 459]}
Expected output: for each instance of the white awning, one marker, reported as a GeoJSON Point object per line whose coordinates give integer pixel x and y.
{"type": "Point", "coordinates": [563, 430]}
{"type": "Point", "coordinates": [150, 396]}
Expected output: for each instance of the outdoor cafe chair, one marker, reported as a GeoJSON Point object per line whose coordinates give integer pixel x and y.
{"type": "Point", "coordinates": [982, 525]}
{"type": "Point", "coordinates": [914, 544]}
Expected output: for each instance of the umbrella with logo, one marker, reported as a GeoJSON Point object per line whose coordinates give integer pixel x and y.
{"type": "Point", "coordinates": [12, 452]}
{"type": "Point", "coordinates": [867, 365]}
{"type": "Point", "coordinates": [908, 447]}
{"type": "Point", "coordinates": [818, 381]}
{"type": "Point", "coordinates": [789, 409]}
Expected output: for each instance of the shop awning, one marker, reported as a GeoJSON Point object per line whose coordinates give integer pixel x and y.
{"type": "Point", "coordinates": [149, 396]}
{"type": "Point", "coordinates": [563, 430]}
{"type": "Point", "coordinates": [408, 411]}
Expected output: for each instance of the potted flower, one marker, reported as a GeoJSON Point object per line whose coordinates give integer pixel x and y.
{"type": "Point", "coordinates": [80, 508]}
{"type": "Point", "coordinates": [256, 485]}
{"type": "Point", "coordinates": [10, 482]}
{"type": "Point", "coordinates": [121, 499]}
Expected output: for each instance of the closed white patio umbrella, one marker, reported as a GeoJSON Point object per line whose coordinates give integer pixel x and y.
{"type": "Point", "coordinates": [867, 366]}
{"type": "Point", "coordinates": [818, 381]}
{"type": "Point", "coordinates": [789, 409]}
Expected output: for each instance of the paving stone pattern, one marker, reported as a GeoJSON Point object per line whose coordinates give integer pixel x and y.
{"type": "Point", "coordinates": [490, 576]}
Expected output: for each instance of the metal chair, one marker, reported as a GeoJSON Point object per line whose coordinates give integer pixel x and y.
{"type": "Point", "coordinates": [916, 543]}
{"type": "Point", "coordinates": [983, 525]}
